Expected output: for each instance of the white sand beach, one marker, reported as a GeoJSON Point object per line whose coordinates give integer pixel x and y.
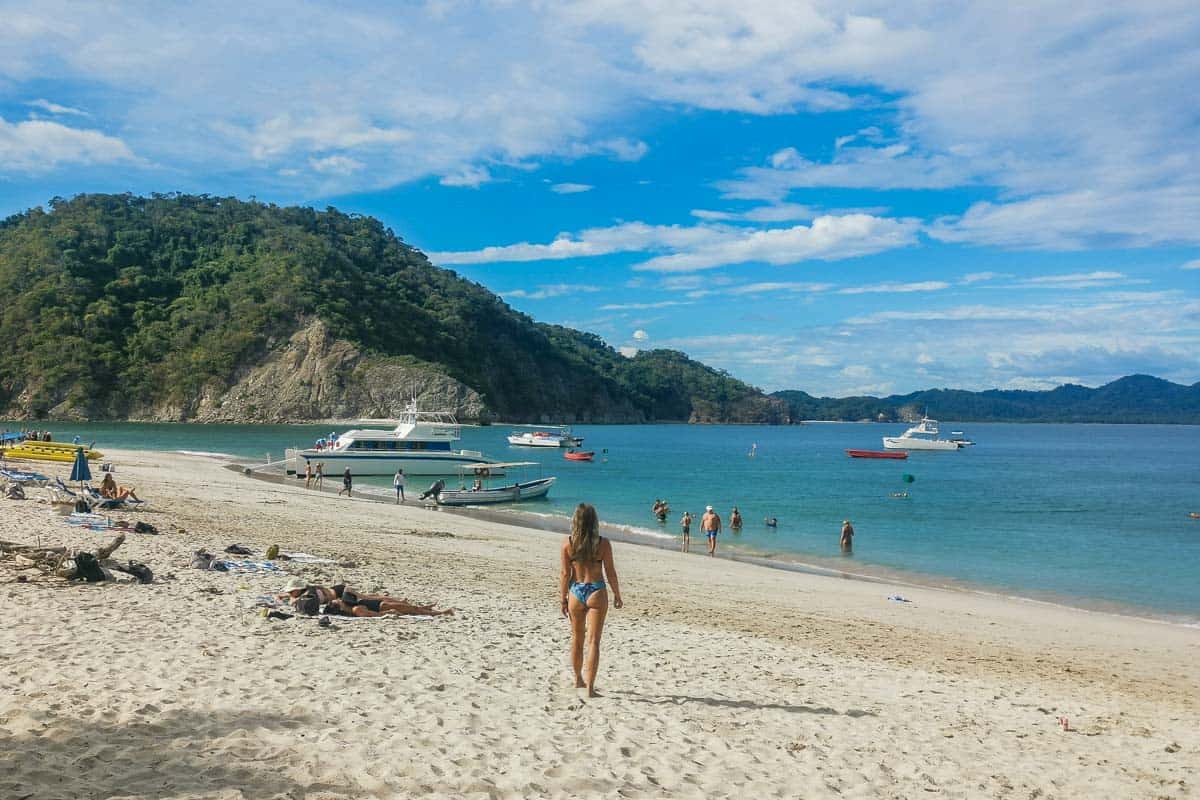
{"type": "Point", "coordinates": [718, 679]}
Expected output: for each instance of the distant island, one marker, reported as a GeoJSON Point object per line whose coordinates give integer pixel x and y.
{"type": "Point", "coordinates": [214, 309]}
{"type": "Point", "coordinates": [1132, 399]}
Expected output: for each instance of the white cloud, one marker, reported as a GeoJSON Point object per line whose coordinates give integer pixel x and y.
{"type": "Point", "coordinates": [1191, 264]}
{"type": "Point", "coordinates": [641, 306]}
{"type": "Point", "coordinates": [979, 277]}
{"type": "Point", "coordinates": [571, 188]}
{"type": "Point", "coordinates": [828, 238]}
{"type": "Point", "coordinates": [336, 165]}
{"type": "Point", "coordinates": [896, 288]}
{"type": "Point", "coordinates": [778, 212]}
{"type": "Point", "coordinates": [641, 335]}
{"type": "Point", "coordinates": [973, 347]}
{"type": "Point", "coordinates": [705, 246]}
{"type": "Point", "coordinates": [624, 238]}
{"type": "Point", "coordinates": [1078, 280]}
{"type": "Point", "coordinates": [552, 290]}
{"type": "Point", "coordinates": [470, 177]}
{"type": "Point", "coordinates": [1084, 125]}
{"type": "Point", "coordinates": [55, 108]}
{"type": "Point", "coordinates": [37, 146]}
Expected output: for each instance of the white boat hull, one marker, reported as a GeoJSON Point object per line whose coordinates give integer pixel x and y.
{"type": "Point", "coordinates": [913, 443]}
{"type": "Point", "coordinates": [542, 441]}
{"type": "Point", "coordinates": [376, 463]}
{"type": "Point", "coordinates": [503, 494]}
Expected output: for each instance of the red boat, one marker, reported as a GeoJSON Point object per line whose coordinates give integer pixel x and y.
{"type": "Point", "coordinates": [575, 455]}
{"type": "Point", "coordinates": [877, 454]}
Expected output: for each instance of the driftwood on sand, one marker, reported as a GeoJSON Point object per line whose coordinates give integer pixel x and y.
{"type": "Point", "coordinates": [54, 561]}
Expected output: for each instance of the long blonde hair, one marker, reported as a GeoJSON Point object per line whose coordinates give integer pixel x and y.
{"type": "Point", "coordinates": [585, 534]}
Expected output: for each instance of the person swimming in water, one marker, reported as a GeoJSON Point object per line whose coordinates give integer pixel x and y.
{"type": "Point", "coordinates": [771, 522]}
{"type": "Point", "coordinates": [735, 520]}
{"type": "Point", "coordinates": [587, 561]}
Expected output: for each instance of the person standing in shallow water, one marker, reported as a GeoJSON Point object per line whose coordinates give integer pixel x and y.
{"type": "Point", "coordinates": [319, 480]}
{"type": "Point", "coordinates": [587, 560]}
{"type": "Point", "coordinates": [847, 536]}
{"type": "Point", "coordinates": [710, 523]}
{"type": "Point", "coordinates": [685, 524]}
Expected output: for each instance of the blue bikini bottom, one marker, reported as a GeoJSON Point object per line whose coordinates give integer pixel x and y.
{"type": "Point", "coordinates": [583, 591]}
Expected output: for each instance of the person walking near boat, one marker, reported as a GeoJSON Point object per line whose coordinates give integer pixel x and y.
{"type": "Point", "coordinates": [587, 561]}
{"type": "Point", "coordinates": [847, 536]}
{"type": "Point", "coordinates": [710, 523]}
{"type": "Point", "coordinates": [398, 482]}
{"type": "Point", "coordinates": [685, 524]}
{"type": "Point", "coordinates": [308, 476]}
{"type": "Point", "coordinates": [319, 478]}
{"type": "Point", "coordinates": [347, 483]}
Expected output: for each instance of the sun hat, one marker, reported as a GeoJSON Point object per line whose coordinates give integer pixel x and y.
{"type": "Point", "coordinates": [708, 508]}
{"type": "Point", "coordinates": [294, 583]}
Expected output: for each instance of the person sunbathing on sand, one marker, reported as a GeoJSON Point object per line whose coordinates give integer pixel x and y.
{"type": "Point", "coordinates": [587, 559]}
{"type": "Point", "coordinates": [110, 491]}
{"type": "Point", "coordinates": [341, 600]}
{"type": "Point", "coordinates": [378, 605]}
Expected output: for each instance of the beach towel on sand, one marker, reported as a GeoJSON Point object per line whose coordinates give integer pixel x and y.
{"type": "Point", "coordinates": [251, 567]}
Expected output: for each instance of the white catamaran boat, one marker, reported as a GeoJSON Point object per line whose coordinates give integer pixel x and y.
{"type": "Point", "coordinates": [419, 444]}
{"type": "Point", "coordinates": [486, 489]}
{"type": "Point", "coordinates": [559, 436]}
{"type": "Point", "coordinates": [922, 436]}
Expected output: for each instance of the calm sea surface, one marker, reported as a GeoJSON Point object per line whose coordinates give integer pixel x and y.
{"type": "Point", "coordinates": [1092, 515]}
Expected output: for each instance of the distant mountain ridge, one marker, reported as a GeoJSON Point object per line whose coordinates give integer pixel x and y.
{"type": "Point", "coordinates": [1132, 399]}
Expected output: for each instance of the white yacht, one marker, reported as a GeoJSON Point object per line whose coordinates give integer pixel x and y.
{"type": "Point", "coordinates": [922, 436]}
{"type": "Point", "coordinates": [420, 444]}
{"type": "Point", "coordinates": [556, 437]}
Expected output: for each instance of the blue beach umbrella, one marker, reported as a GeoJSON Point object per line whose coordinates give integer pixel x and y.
{"type": "Point", "coordinates": [80, 470]}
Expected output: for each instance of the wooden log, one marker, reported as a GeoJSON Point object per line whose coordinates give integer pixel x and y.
{"type": "Point", "coordinates": [107, 550]}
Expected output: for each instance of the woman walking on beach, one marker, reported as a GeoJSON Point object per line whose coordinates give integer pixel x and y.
{"type": "Point", "coordinates": [587, 559]}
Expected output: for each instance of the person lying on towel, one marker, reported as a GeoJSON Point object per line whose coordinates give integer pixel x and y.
{"type": "Point", "coordinates": [341, 600]}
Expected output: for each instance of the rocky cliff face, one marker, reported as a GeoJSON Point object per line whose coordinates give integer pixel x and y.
{"type": "Point", "coordinates": [313, 376]}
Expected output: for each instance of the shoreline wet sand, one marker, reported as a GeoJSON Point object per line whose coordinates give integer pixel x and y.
{"type": "Point", "coordinates": [720, 678]}
{"type": "Point", "coordinates": [522, 517]}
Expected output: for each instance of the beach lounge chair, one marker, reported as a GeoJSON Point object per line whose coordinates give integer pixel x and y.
{"type": "Point", "coordinates": [98, 502]}
{"type": "Point", "coordinates": [59, 493]}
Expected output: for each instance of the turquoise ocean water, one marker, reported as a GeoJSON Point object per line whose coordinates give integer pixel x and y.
{"type": "Point", "coordinates": [1090, 515]}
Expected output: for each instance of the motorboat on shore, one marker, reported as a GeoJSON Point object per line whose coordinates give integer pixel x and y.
{"type": "Point", "coordinates": [877, 454]}
{"type": "Point", "coordinates": [557, 436]}
{"type": "Point", "coordinates": [922, 436]}
{"type": "Point", "coordinates": [579, 455]}
{"type": "Point", "coordinates": [487, 490]}
{"type": "Point", "coordinates": [420, 444]}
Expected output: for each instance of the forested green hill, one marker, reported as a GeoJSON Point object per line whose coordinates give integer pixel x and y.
{"type": "Point", "coordinates": [116, 306]}
{"type": "Point", "coordinates": [1134, 398]}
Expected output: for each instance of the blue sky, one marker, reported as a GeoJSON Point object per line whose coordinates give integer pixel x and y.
{"type": "Point", "coordinates": [837, 197]}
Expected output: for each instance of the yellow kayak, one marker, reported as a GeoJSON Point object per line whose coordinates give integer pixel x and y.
{"type": "Point", "coordinates": [49, 451]}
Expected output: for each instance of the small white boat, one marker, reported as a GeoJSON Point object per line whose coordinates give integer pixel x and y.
{"type": "Point", "coordinates": [486, 489]}
{"type": "Point", "coordinates": [559, 436]}
{"type": "Point", "coordinates": [922, 436]}
{"type": "Point", "coordinates": [420, 444]}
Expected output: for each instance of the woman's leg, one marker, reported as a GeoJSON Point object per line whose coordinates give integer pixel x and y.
{"type": "Point", "coordinates": [399, 607]}
{"type": "Point", "coordinates": [578, 613]}
{"type": "Point", "coordinates": [597, 610]}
